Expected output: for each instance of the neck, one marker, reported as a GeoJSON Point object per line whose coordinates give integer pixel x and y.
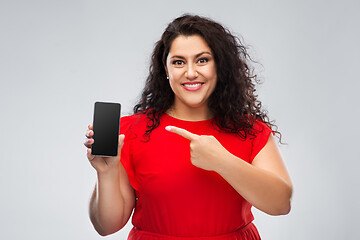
{"type": "Point", "coordinates": [190, 114]}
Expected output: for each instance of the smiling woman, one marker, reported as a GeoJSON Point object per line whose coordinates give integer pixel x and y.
{"type": "Point", "coordinates": [199, 150]}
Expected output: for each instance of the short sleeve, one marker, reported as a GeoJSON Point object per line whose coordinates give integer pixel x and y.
{"type": "Point", "coordinates": [262, 136]}
{"type": "Point", "coordinates": [126, 157]}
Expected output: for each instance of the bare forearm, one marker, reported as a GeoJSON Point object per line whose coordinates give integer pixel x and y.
{"type": "Point", "coordinates": [107, 204]}
{"type": "Point", "coordinates": [265, 184]}
{"type": "Point", "coordinates": [263, 189]}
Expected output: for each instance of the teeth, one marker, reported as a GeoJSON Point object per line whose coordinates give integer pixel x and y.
{"type": "Point", "coordinates": [192, 85]}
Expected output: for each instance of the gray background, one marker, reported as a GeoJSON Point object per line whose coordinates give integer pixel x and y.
{"type": "Point", "coordinates": [58, 57]}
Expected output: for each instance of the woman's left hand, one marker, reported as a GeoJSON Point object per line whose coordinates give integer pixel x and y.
{"type": "Point", "coordinates": [265, 183]}
{"type": "Point", "coordinates": [206, 151]}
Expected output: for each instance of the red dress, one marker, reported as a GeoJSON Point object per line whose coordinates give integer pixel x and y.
{"type": "Point", "coordinates": [176, 200]}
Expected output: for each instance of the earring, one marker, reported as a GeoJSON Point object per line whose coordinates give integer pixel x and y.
{"type": "Point", "coordinates": [167, 78]}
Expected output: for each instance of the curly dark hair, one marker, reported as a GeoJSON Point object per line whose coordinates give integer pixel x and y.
{"type": "Point", "coordinates": [234, 102]}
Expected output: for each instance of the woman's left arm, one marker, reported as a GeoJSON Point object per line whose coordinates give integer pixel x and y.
{"type": "Point", "coordinates": [265, 183]}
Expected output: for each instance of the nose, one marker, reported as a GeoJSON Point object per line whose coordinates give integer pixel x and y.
{"type": "Point", "coordinates": [191, 72]}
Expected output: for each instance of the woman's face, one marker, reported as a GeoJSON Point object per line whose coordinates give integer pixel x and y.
{"type": "Point", "coordinates": [191, 69]}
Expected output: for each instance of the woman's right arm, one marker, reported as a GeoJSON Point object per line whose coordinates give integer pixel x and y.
{"type": "Point", "coordinates": [113, 199]}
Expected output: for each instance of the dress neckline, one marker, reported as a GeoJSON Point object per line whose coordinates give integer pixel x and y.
{"type": "Point", "coordinates": [187, 121]}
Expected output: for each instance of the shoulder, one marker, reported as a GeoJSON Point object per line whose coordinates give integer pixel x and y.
{"type": "Point", "coordinates": [261, 128]}
{"type": "Point", "coordinates": [262, 133]}
{"type": "Point", "coordinates": [133, 123]}
{"type": "Point", "coordinates": [129, 119]}
{"type": "Point", "coordinates": [134, 118]}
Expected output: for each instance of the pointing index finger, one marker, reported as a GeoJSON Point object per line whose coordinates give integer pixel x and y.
{"type": "Point", "coordinates": [182, 132]}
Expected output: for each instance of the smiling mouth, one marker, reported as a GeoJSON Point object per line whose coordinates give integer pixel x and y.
{"type": "Point", "coordinates": [192, 86]}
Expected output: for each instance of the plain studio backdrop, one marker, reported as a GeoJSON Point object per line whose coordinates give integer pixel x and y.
{"type": "Point", "coordinates": [58, 57]}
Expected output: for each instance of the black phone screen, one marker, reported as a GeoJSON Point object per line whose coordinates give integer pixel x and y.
{"type": "Point", "coordinates": [106, 124]}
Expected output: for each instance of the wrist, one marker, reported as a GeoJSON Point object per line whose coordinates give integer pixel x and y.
{"type": "Point", "coordinates": [225, 163]}
{"type": "Point", "coordinates": [111, 172]}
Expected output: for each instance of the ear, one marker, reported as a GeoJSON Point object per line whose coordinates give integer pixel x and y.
{"type": "Point", "coordinates": [166, 70]}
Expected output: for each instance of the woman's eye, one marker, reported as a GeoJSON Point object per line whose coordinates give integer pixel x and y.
{"type": "Point", "coordinates": [177, 62]}
{"type": "Point", "coordinates": [203, 60]}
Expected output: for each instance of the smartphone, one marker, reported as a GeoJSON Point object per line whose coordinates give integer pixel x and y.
{"type": "Point", "coordinates": [106, 124]}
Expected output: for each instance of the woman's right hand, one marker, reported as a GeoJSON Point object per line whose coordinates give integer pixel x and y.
{"type": "Point", "coordinates": [100, 163]}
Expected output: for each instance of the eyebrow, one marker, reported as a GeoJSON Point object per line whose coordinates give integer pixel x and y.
{"type": "Point", "coordinates": [196, 56]}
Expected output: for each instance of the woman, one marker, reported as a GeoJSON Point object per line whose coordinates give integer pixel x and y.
{"type": "Point", "coordinates": [199, 152]}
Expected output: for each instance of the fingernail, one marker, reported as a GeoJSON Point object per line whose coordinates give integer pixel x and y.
{"type": "Point", "coordinates": [168, 128]}
{"type": "Point", "coordinates": [89, 140]}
